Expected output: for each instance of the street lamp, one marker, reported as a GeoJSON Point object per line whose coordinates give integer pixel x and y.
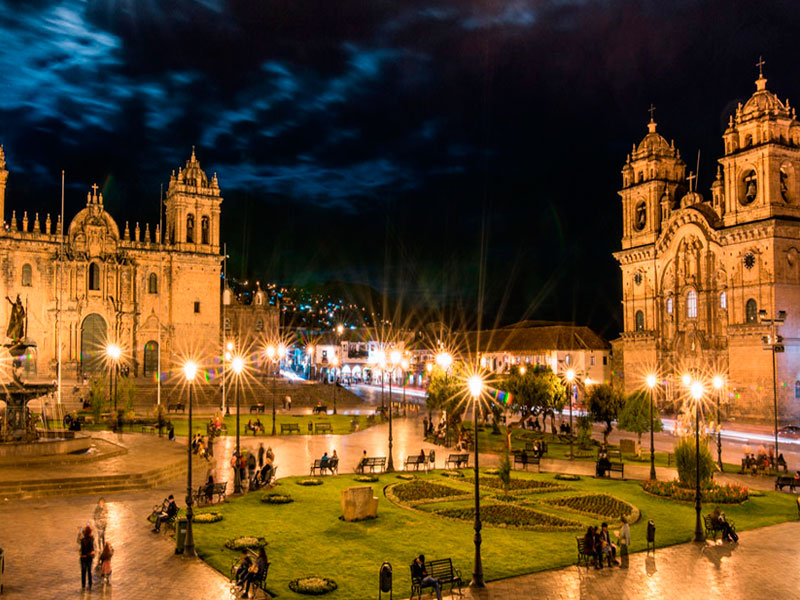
{"type": "Point", "coordinates": [476, 387]}
{"type": "Point", "coordinates": [275, 355]}
{"type": "Point", "coordinates": [697, 391]}
{"type": "Point", "coordinates": [718, 382]}
{"type": "Point", "coordinates": [335, 363]}
{"type": "Point", "coordinates": [774, 343]}
{"type": "Point", "coordinates": [652, 380]}
{"type": "Point", "coordinates": [237, 364]}
{"type": "Point", "coordinates": [113, 352]}
{"type": "Point", "coordinates": [380, 361]}
{"type": "Point", "coordinates": [444, 360]}
{"type": "Point", "coordinates": [310, 353]}
{"type": "Point", "coordinates": [570, 377]}
{"type": "Point", "coordinates": [404, 370]}
{"type": "Point", "coordinates": [394, 358]}
{"type": "Point", "coordinates": [189, 371]}
{"type": "Point", "coordinates": [226, 358]}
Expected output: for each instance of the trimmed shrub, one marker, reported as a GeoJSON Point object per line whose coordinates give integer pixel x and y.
{"type": "Point", "coordinates": [312, 586]}
{"type": "Point", "coordinates": [685, 461]}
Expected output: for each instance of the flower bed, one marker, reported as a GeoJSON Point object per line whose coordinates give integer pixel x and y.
{"type": "Point", "coordinates": [246, 543]}
{"type": "Point", "coordinates": [275, 498]}
{"type": "Point", "coordinates": [567, 477]}
{"type": "Point", "coordinates": [510, 515]}
{"type": "Point", "coordinates": [729, 493]}
{"type": "Point", "coordinates": [309, 481]}
{"type": "Point", "coordinates": [456, 474]}
{"type": "Point", "coordinates": [423, 490]}
{"type": "Point", "coordinates": [492, 471]}
{"type": "Point", "coordinates": [596, 504]}
{"type": "Point", "coordinates": [312, 586]}
{"type": "Point", "coordinates": [405, 477]}
{"type": "Point", "coordinates": [205, 517]}
{"type": "Point", "coordinates": [366, 478]}
{"type": "Point", "coordinates": [527, 485]}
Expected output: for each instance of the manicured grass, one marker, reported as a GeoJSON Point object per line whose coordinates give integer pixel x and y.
{"type": "Point", "coordinates": [307, 537]}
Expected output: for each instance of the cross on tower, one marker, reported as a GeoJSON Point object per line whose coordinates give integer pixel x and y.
{"type": "Point", "coordinates": [94, 189]}
{"type": "Point", "coordinates": [760, 64]}
{"type": "Point", "coordinates": [651, 110]}
{"type": "Point", "coordinates": [691, 179]}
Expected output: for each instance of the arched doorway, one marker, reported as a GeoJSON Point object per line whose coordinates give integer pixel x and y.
{"type": "Point", "coordinates": [93, 337]}
{"type": "Point", "coordinates": [150, 358]}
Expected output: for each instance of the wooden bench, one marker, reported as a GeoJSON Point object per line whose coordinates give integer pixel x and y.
{"type": "Point", "coordinates": [257, 408]}
{"type": "Point", "coordinates": [441, 569]}
{"type": "Point", "coordinates": [458, 460]}
{"type": "Point", "coordinates": [331, 465]}
{"type": "Point", "coordinates": [372, 463]}
{"type": "Point", "coordinates": [415, 461]}
{"type": "Point", "coordinates": [219, 491]}
{"type": "Point", "coordinates": [320, 410]}
{"type": "Point", "coordinates": [261, 582]}
{"type": "Point", "coordinates": [713, 528]}
{"type": "Point", "coordinates": [614, 467]}
{"type": "Point", "coordinates": [148, 429]}
{"type": "Point", "coordinates": [583, 556]}
{"type": "Point", "coordinates": [786, 480]}
{"type": "Point", "coordinates": [528, 460]}
{"type": "Point", "coordinates": [175, 407]}
{"type": "Point", "coordinates": [323, 427]}
{"type": "Point", "coordinates": [290, 428]}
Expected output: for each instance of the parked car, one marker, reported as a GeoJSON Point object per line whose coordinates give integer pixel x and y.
{"type": "Point", "coordinates": [792, 431]}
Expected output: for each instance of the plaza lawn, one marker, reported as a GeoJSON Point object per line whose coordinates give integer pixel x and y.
{"type": "Point", "coordinates": [307, 538]}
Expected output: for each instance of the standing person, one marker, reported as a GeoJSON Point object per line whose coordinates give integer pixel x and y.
{"type": "Point", "coordinates": [260, 455]}
{"type": "Point", "coordinates": [424, 427]}
{"type": "Point", "coordinates": [418, 572]}
{"type": "Point", "coordinates": [251, 465]}
{"type": "Point", "coordinates": [624, 540]}
{"type": "Point", "coordinates": [86, 544]}
{"type": "Point", "coordinates": [100, 522]}
{"type": "Point", "coordinates": [289, 400]}
{"type": "Point", "coordinates": [105, 563]}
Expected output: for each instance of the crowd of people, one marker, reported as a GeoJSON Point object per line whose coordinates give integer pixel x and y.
{"type": "Point", "coordinates": [597, 543]}
{"type": "Point", "coordinates": [763, 460]}
{"type": "Point", "coordinates": [92, 543]}
{"type": "Point", "coordinates": [255, 469]}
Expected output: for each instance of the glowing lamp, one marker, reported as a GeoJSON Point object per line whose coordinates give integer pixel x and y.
{"type": "Point", "coordinates": [718, 382]}
{"type": "Point", "coordinates": [475, 385]}
{"type": "Point", "coordinates": [190, 370]}
{"type": "Point", "coordinates": [651, 381]}
{"type": "Point", "coordinates": [696, 389]}
{"type": "Point", "coordinates": [237, 364]}
{"type": "Point", "coordinates": [395, 357]}
{"type": "Point", "coordinates": [686, 379]}
{"type": "Point", "coordinates": [570, 375]}
{"type": "Point", "coordinates": [113, 351]}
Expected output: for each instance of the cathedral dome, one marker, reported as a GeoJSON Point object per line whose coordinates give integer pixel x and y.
{"type": "Point", "coordinates": [192, 174]}
{"type": "Point", "coordinates": [763, 102]}
{"type": "Point", "coordinates": [653, 144]}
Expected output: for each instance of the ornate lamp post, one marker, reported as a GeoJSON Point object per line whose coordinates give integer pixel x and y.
{"type": "Point", "coordinates": [275, 355]}
{"type": "Point", "coordinates": [310, 353]}
{"type": "Point", "coordinates": [476, 387]}
{"type": "Point", "coordinates": [226, 358]}
{"type": "Point", "coordinates": [718, 382]}
{"type": "Point", "coordinates": [335, 363]}
{"type": "Point", "coordinates": [394, 359]}
{"type": "Point", "coordinates": [570, 377]}
{"type": "Point", "coordinates": [113, 352]}
{"type": "Point", "coordinates": [652, 381]}
{"type": "Point", "coordinates": [697, 391]}
{"type": "Point", "coordinates": [404, 372]}
{"type": "Point", "coordinates": [237, 365]}
{"type": "Point", "coordinates": [774, 343]}
{"type": "Point", "coordinates": [189, 371]}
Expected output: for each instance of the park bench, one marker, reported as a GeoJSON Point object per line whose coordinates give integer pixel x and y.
{"type": "Point", "coordinates": [323, 427]}
{"type": "Point", "coordinates": [372, 463]}
{"type": "Point", "coordinates": [258, 407]}
{"type": "Point", "coordinates": [148, 429]}
{"type": "Point", "coordinates": [527, 460]}
{"type": "Point", "coordinates": [175, 407]}
{"type": "Point", "coordinates": [260, 583]}
{"type": "Point", "coordinates": [289, 428]}
{"type": "Point", "coordinates": [320, 410]}
{"type": "Point", "coordinates": [458, 460]}
{"type": "Point", "coordinates": [614, 467]}
{"type": "Point", "coordinates": [713, 528]}
{"type": "Point", "coordinates": [786, 480]}
{"type": "Point", "coordinates": [331, 465]}
{"type": "Point", "coordinates": [415, 461]}
{"type": "Point", "coordinates": [583, 556]}
{"type": "Point", "coordinates": [167, 523]}
{"type": "Point", "coordinates": [441, 569]}
{"type": "Point", "coordinates": [220, 490]}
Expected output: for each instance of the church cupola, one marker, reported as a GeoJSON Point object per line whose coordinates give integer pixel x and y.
{"type": "Point", "coordinates": [651, 175]}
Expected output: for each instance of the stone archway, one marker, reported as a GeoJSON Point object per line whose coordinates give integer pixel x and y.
{"type": "Point", "coordinates": [94, 334]}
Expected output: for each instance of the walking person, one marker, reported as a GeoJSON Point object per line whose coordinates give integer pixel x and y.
{"type": "Point", "coordinates": [105, 563]}
{"type": "Point", "coordinates": [261, 455]}
{"type": "Point", "coordinates": [86, 545]}
{"type": "Point", "coordinates": [100, 517]}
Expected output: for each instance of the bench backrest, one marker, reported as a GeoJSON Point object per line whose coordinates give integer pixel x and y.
{"type": "Point", "coordinates": [440, 568]}
{"type": "Point", "coordinates": [617, 466]}
{"type": "Point", "coordinates": [374, 461]}
{"type": "Point", "coordinates": [416, 458]}
{"type": "Point", "coordinates": [318, 462]}
{"type": "Point", "coordinates": [457, 457]}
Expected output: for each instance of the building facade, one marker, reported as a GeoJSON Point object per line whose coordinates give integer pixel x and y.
{"type": "Point", "coordinates": [699, 274]}
{"type": "Point", "coordinates": [98, 285]}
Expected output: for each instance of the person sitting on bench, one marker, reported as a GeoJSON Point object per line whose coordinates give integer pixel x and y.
{"type": "Point", "coordinates": [256, 571]}
{"type": "Point", "coordinates": [243, 568]}
{"type": "Point", "coordinates": [168, 511]}
{"type": "Point", "coordinates": [418, 572]}
{"type": "Point", "coordinates": [606, 546]}
{"type": "Point", "coordinates": [603, 464]}
{"type": "Point", "coordinates": [362, 463]}
{"type": "Point", "coordinates": [323, 462]}
{"type": "Point", "coordinates": [719, 522]}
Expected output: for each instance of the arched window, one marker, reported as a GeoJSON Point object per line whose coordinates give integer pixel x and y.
{"type": "Point", "coordinates": [669, 305]}
{"type": "Point", "coordinates": [723, 300]}
{"type": "Point", "coordinates": [204, 230]}
{"type": "Point", "coordinates": [751, 311]}
{"type": "Point", "coordinates": [152, 284]}
{"type": "Point", "coordinates": [27, 275]}
{"type": "Point", "coordinates": [227, 324]}
{"type": "Point", "coordinates": [94, 276]}
{"type": "Point", "coordinates": [150, 358]}
{"type": "Point", "coordinates": [190, 228]}
{"type": "Point", "coordinates": [226, 296]}
{"type": "Point", "coordinates": [639, 320]}
{"type": "Point", "coordinates": [691, 304]}
{"type": "Point", "coordinates": [260, 325]}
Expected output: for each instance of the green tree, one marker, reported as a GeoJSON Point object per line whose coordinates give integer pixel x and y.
{"type": "Point", "coordinates": [685, 460]}
{"type": "Point", "coordinates": [97, 396]}
{"type": "Point", "coordinates": [604, 404]}
{"type": "Point", "coordinates": [539, 389]}
{"type": "Point", "coordinates": [635, 416]}
{"type": "Point", "coordinates": [504, 471]}
{"type": "Point", "coordinates": [127, 394]}
{"type": "Point", "coordinates": [584, 438]}
{"type": "Point", "coordinates": [443, 391]}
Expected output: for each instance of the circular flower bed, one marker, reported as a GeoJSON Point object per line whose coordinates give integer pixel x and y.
{"type": "Point", "coordinates": [309, 481]}
{"type": "Point", "coordinates": [510, 515]}
{"type": "Point", "coordinates": [206, 517]}
{"type": "Point", "coordinates": [366, 478]}
{"type": "Point", "coordinates": [246, 543]}
{"type": "Point", "coordinates": [729, 493]}
{"type": "Point", "coordinates": [312, 586]}
{"type": "Point", "coordinates": [423, 490]}
{"type": "Point", "coordinates": [405, 477]}
{"type": "Point", "coordinates": [452, 474]}
{"type": "Point", "coordinates": [567, 477]}
{"type": "Point", "coordinates": [492, 471]}
{"type": "Point", "coordinates": [601, 505]}
{"type": "Point", "coordinates": [275, 498]}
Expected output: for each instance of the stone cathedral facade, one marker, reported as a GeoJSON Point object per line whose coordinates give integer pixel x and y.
{"type": "Point", "coordinates": [697, 271]}
{"type": "Point", "coordinates": [118, 285]}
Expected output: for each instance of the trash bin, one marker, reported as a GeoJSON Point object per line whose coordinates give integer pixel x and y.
{"type": "Point", "coordinates": [310, 427]}
{"type": "Point", "coordinates": [180, 535]}
{"type": "Point", "coordinates": [385, 579]}
{"type": "Point", "coordinates": [651, 535]}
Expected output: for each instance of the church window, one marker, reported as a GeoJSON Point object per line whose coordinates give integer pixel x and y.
{"type": "Point", "coordinates": [27, 275]}
{"type": "Point", "coordinates": [669, 306]}
{"type": "Point", "coordinates": [750, 188]}
{"type": "Point", "coordinates": [204, 230]}
{"type": "Point", "coordinates": [226, 296]}
{"type": "Point", "coordinates": [227, 324]}
{"type": "Point", "coordinates": [784, 184]}
{"type": "Point", "coordinates": [152, 284]}
{"type": "Point", "coordinates": [196, 307]}
{"type": "Point", "coordinates": [150, 358]}
{"type": "Point", "coordinates": [259, 298]}
{"type": "Point", "coordinates": [749, 260]}
{"type": "Point", "coordinates": [94, 276]}
{"type": "Point", "coordinates": [637, 278]}
{"type": "Point", "coordinates": [260, 325]}
{"type": "Point", "coordinates": [751, 311]}
{"type": "Point", "coordinates": [190, 228]}
{"type": "Point", "coordinates": [639, 320]}
{"type": "Point", "coordinates": [723, 300]}
{"type": "Point", "coordinates": [691, 304]}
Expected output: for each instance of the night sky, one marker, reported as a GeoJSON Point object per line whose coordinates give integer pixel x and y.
{"type": "Point", "coordinates": [379, 142]}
